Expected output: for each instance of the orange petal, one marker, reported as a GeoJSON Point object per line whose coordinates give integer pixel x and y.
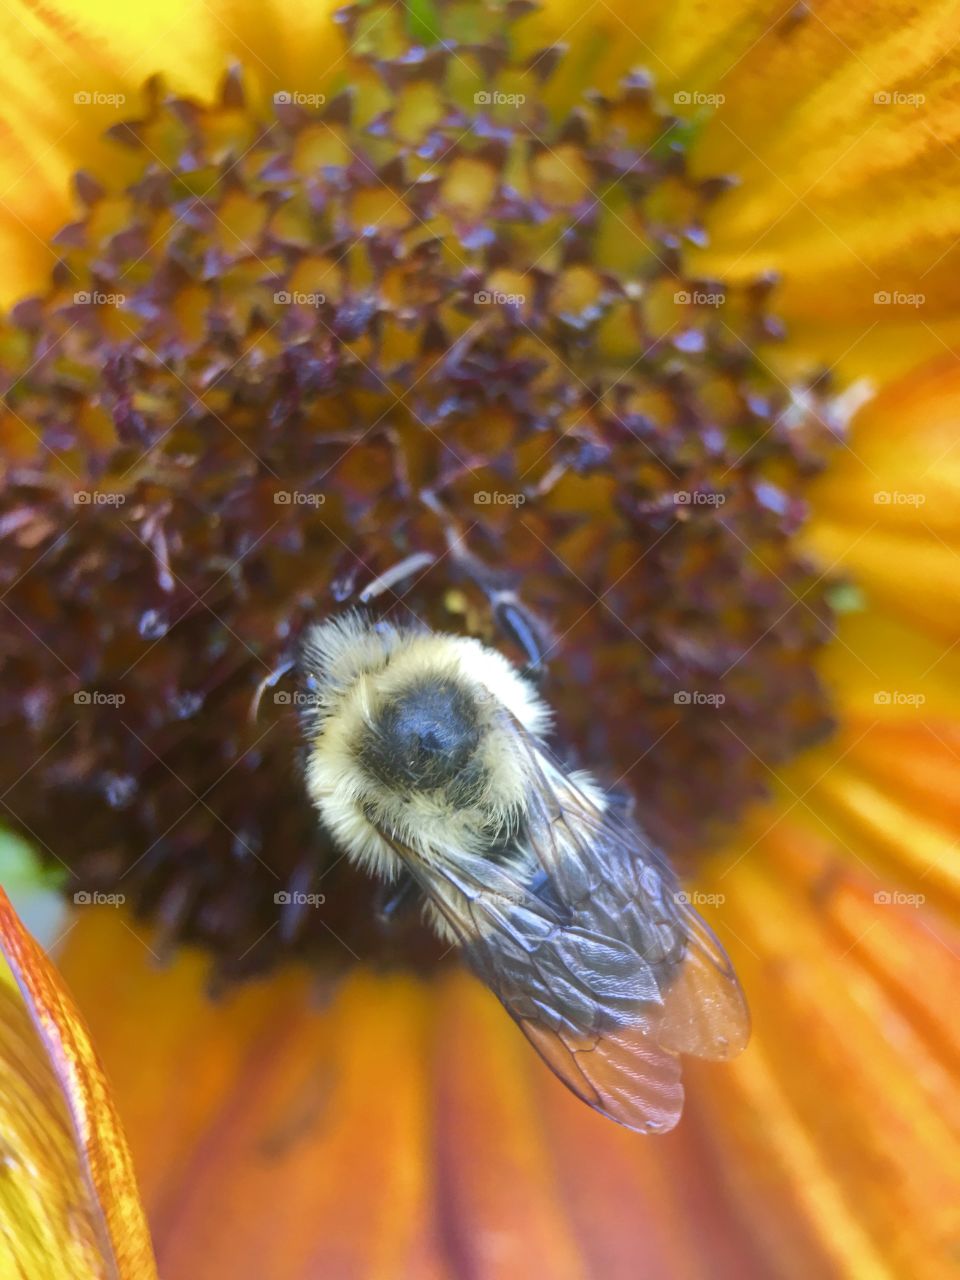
{"type": "Point", "coordinates": [405, 1128]}
{"type": "Point", "coordinates": [884, 793]}
{"type": "Point", "coordinates": [848, 1095]}
{"type": "Point", "coordinates": [534, 1182]}
{"type": "Point", "coordinates": [278, 1133]}
{"type": "Point", "coordinates": [71, 1206]}
{"type": "Point", "coordinates": [401, 1128]}
{"type": "Point", "coordinates": [278, 1099]}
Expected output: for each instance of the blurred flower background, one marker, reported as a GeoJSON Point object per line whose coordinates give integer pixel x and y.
{"type": "Point", "coordinates": [650, 312]}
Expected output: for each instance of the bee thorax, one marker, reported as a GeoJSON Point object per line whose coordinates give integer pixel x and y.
{"type": "Point", "coordinates": [422, 738]}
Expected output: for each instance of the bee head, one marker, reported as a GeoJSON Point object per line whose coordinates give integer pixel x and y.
{"type": "Point", "coordinates": [423, 736]}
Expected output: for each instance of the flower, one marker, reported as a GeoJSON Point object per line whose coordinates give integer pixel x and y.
{"type": "Point", "coordinates": [400, 317]}
{"type": "Point", "coordinates": [400, 1126]}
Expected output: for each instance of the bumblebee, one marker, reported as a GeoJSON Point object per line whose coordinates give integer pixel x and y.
{"type": "Point", "coordinates": [427, 761]}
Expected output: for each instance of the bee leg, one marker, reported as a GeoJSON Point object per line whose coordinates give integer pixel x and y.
{"type": "Point", "coordinates": [394, 899]}
{"type": "Point", "coordinates": [268, 682]}
{"type": "Point", "coordinates": [512, 616]}
{"type": "Point", "coordinates": [622, 802]}
{"type": "Point", "coordinates": [525, 629]}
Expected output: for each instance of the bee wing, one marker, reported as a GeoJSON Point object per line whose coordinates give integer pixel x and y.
{"type": "Point", "coordinates": [596, 954]}
{"type": "Point", "coordinates": [588, 1008]}
{"type": "Point", "coordinates": [609, 872]}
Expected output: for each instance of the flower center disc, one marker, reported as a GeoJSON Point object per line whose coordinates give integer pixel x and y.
{"type": "Point", "coordinates": [430, 308]}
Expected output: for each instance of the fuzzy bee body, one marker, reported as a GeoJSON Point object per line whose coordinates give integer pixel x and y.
{"type": "Point", "coordinates": [426, 755]}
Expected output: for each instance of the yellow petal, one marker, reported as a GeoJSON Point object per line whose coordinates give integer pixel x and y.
{"type": "Point", "coordinates": [843, 129]}
{"type": "Point", "coordinates": [887, 509]}
{"type": "Point", "coordinates": [69, 1198]}
{"type": "Point", "coordinates": [841, 122]}
{"type": "Point", "coordinates": [72, 70]}
{"type": "Point", "coordinates": [65, 66]}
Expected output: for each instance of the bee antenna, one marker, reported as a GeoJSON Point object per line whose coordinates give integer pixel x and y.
{"type": "Point", "coordinates": [396, 573]}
